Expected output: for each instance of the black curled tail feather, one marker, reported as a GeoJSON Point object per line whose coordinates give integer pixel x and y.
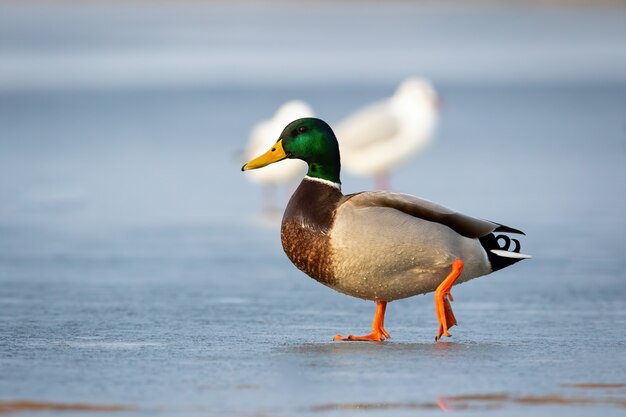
{"type": "Point", "coordinates": [502, 243]}
{"type": "Point", "coordinates": [507, 243]}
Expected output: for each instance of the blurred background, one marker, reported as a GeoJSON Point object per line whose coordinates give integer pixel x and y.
{"type": "Point", "coordinates": [136, 266]}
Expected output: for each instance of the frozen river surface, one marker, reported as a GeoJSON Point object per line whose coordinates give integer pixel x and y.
{"type": "Point", "coordinates": [212, 319]}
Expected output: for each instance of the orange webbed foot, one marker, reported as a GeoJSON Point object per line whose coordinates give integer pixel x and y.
{"type": "Point", "coordinates": [445, 316]}
{"type": "Point", "coordinates": [378, 334]}
{"type": "Point", "coordinates": [372, 337]}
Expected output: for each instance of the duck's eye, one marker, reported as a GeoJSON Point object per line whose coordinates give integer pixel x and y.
{"type": "Point", "coordinates": [301, 129]}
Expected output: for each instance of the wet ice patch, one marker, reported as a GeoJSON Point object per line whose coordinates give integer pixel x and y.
{"type": "Point", "coordinates": [95, 343]}
{"type": "Point", "coordinates": [232, 300]}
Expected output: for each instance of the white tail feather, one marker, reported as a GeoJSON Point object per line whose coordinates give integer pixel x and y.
{"type": "Point", "coordinates": [507, 254]}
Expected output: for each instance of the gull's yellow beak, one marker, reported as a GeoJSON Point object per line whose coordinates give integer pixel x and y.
{"type": "Point", "coordinates": [275, 154]}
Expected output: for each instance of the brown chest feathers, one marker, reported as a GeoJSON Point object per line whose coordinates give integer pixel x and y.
{"type": "Point", "coordinates": [305, 231]}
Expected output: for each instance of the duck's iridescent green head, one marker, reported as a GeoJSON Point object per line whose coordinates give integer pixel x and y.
{"type": "Point", "coordinates": [310, 140]}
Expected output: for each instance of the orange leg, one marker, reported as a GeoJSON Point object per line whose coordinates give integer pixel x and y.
{"type": "Point", "coordinates": [442, 300]}
{"type": "Point", "coordinates": [382, 181]}
{"type": "Point", "coordinates": [378, 330]}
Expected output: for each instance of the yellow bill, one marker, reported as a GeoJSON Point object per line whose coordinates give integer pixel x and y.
{"type": "Point", "coordinates": [275, 154]}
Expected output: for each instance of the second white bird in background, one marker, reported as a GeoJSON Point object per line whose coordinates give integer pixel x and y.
{"type": "Point", "coordinates": [376, 138]}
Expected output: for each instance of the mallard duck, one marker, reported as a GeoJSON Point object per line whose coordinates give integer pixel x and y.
{"type": "Point", "coordinates": [380, 246]}
{"type": "Point", "coordinates": [375, 139]}
{"type": "Point", "coordinates": [262, 136]}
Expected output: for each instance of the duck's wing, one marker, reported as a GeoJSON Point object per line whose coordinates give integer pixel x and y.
{"type": "Point", "coordinates": [427, 210]}
{"type": "Point", "coordinates": [370, 126]}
